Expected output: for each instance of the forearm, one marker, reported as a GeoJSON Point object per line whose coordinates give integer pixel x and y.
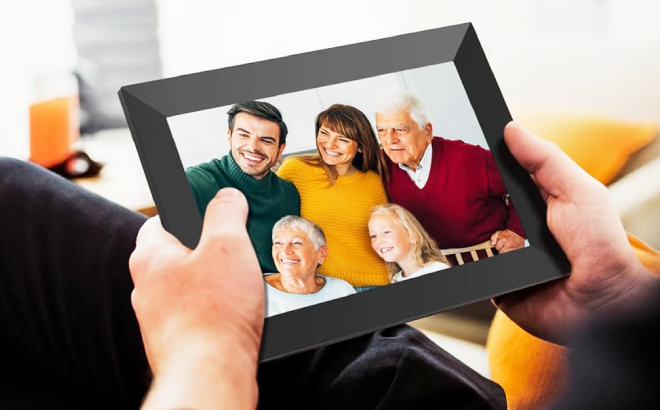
{"type": "Point", "coordinates": [206, 377]}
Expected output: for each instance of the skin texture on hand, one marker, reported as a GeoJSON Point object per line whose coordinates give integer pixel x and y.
{"type": "Point", "coordinates": [200, 311]}
{"type": "Point", "coordinates": [605, 273]}
{"type": "Point", "coordinates": [506, 241]}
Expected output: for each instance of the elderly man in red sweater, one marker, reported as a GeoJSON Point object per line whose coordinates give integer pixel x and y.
{"type": "Point", "coordinates": [453, 188]}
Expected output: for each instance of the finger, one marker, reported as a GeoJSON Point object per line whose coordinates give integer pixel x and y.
{"type": "Point", "coordinates": [501, 245]}
{"type": "Point", "coordinates": [152, 240]}
{"type": "Point", "coordinates": [134, 298]}
{"type": "Point", "coordinates": [509, 301]}
{"type": "Point", "coordinates": [225, 215]}
{"type": "Point", "coordinates": [149, 226]}
{"type": "Point", "coordinates": [152, 232]}
{"type": "Point", "coordinates": [496, 301]}
{"type": "Point", "coordinates": [493, 238]}
{"type": "Point", "coordinates": [553, 171]}
{"type": "Point", "coordinates": [500, 240]}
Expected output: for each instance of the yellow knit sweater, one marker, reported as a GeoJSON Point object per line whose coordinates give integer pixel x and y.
{"type": "Point", "coordinates": [342, 211]}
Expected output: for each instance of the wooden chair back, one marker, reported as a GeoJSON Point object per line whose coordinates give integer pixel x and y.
{"type": "Point", "coordinates": [472, 250]}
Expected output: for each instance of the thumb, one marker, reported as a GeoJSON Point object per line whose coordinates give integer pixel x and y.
{"type": "Point", "coordinates": [152, 240]}
{"type": "Point", "coordinates": [225, 216]}
{"type": "Point", "coordinates": [554, 172]}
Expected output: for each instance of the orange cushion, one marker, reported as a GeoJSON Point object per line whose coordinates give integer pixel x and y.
{"type": "Point", "coordinates": [531, 371]}
{"type": "Point", "coordinates": [600, 146]}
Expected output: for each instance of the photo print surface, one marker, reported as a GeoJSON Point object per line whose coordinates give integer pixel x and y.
{"type": "Point", "coordinates": [378, 181]}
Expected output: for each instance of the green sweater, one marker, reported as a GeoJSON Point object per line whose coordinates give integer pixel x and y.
{"type": "Point", "coordinates": [269, 199]}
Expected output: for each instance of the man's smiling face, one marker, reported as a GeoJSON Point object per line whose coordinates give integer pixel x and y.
{"type": "Point", "coordinates": [403, 140]}
{"type": "Point", "coordinates": [254, 144]}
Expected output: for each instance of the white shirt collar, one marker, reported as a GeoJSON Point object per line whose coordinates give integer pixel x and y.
{"type": "Point", "coordinates": [421, 175]}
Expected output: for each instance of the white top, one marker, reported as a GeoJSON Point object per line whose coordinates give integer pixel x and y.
{"type": "Point", "coordinates": [421, 175]}
{"type": "Point", "coordinates": [279, 302]}
{"type": "Point", "coordinates": [429, 268]}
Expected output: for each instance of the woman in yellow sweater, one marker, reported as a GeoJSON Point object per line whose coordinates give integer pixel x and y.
{"type": "Point", "coordinates": [339, 186]}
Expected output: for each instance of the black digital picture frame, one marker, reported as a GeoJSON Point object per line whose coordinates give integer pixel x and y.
{"type": "Point", "coordinates": [148, 105]}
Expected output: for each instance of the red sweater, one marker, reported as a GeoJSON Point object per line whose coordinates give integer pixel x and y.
{"type": "Point", "coordinates": [462, 203]}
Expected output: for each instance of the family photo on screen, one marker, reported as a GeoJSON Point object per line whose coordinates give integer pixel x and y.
{"type": "Point", "coordinates": [373, 204]}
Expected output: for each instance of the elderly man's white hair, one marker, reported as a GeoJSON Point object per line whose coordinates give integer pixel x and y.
{"type": "Point", "coordinates": [402, 100]}
{"type": "Point", "coordinates": [313, 231]}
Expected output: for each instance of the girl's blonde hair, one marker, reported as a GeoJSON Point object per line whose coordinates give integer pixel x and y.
{"type": "Point", "coordinates": [423, 250]}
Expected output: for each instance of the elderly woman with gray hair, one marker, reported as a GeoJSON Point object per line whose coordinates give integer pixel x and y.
{"type": "Point", "coordinates": [299, 248]}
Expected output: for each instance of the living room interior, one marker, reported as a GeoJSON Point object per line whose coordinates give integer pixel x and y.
{"type": "Point", "coordinates": [585, 75]}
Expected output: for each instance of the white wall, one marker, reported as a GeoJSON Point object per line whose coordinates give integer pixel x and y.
{"type": "Point", "coordinates": [442, 92]}
{"type": "Point", "coordinates": [597, 56]}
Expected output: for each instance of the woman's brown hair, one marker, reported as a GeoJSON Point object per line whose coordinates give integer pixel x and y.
{"type": "Point", "coordinates": [353, 124]}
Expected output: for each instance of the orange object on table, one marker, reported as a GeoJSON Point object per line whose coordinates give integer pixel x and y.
{"type": "Point", "coordinates": [53, 129]}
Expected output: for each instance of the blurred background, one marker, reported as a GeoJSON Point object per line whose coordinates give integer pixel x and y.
{"type": "Point", "coordinates": [583, 73]}
{"type": "Point", "coordinates": [596, 56]}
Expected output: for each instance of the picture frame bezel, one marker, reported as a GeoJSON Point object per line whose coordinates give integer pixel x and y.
{"type": "Point", "coordinates": [148, 105]}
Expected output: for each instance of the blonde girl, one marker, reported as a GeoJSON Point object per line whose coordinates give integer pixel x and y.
{"type": "Point", "coordinates": [405, 246]}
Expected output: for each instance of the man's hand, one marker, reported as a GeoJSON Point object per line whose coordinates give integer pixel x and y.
{"type": "Point", "coordinates": [200, 312]}
{"type": "Point", "coordinates": [506, 241]}
{"type": "Point", "coordinates": [604, 270]}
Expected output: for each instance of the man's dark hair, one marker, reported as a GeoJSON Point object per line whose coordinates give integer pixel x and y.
{"type": "Point", "coordinates": [259, 109]}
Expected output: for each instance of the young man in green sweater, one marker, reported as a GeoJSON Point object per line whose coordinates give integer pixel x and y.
{"type": "Point", "coordinates": [257, 136]}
